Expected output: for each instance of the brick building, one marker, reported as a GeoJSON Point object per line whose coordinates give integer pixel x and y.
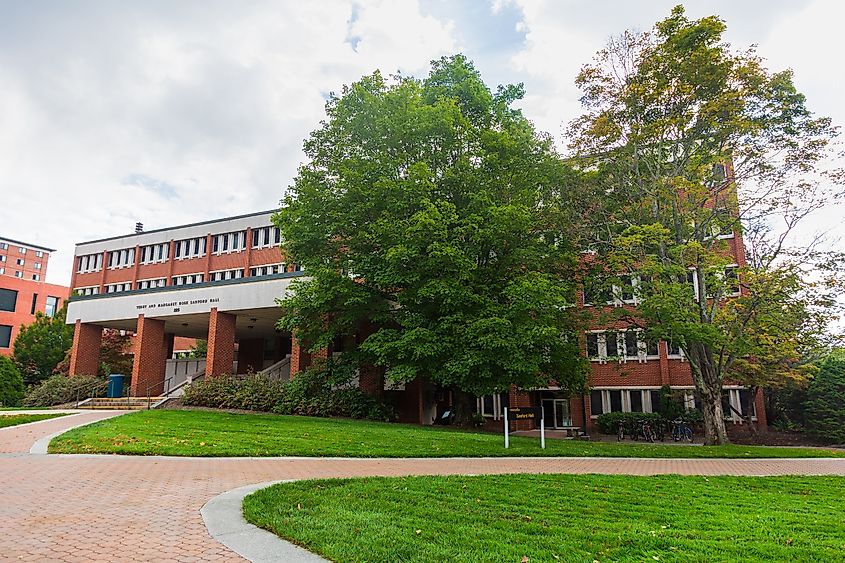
{"type": "Point", "coordinates": [23, 291]}
{"type": "Point", "coordinates": [215, 280]}
{"type": "Point", "coordinates": [219, 280]}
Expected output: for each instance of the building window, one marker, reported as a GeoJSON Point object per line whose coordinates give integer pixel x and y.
{"type": "Point", "coordinates": [623, 400]}
{"type": "Point", "coordinates": [118, 287]}
{"type": "Point", "coordinates": [190, 248]}
{"type": "Point", "coordinates": [34, 303]}
{"type": "Point", "coordinates": [20, 261]}
{"type": "Point", "coordinates": [36, 277]}
{"type": "Point", "coordinates": [2, 271]}
{"type": "Point", "coordinates": [89, 263]}
{"type": "Point", "coordinates": [18, 274]}
{"type": "Point", "coordinates": [4, 246]}
{"type": "Point", "coordinates": [153, 253]}
{"type": "Point", "coordinates": [151, 284]}
{"type": "Point", "coordinates": [266, 236]}
{"type": "Point", "coordinates": [267, 270]}
{"type": "Point", "coordinates": [39, 254]}
{"type": "Point", "coordinates": [188, 279]}
{"type": "Point", "coordinates": [121, 258]}
{"type": "Point", "coordinates": [52, 306]}
{"type": "Point", "coordinates": [8, 300]}
{"type": "Point", "coordinates": [490, 406]}
{"type": "Point", "coordinates": [229, 242]}
{"type": "Point", "coordinates": [93, 290]}
{"type": "Point", "coordinates": [5, 336]}
{"type": "Point", "coordinates": [674, 350]}
{"type": "Point", "coordinates": [2, 258]}
{"type": "Point", "coordinates": [221, 275]}
{"type": "Point", "coordinates": [38, 265]}
{"type": "Point", "coordinates": [22, 250]}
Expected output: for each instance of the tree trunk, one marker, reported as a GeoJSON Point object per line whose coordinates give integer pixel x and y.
{"type": "Point", "coordinates": [752, 396]}
{"type": "Point", "coordinates": [708, 382]}
{"type": "Point", "coordinates": [464, 406]}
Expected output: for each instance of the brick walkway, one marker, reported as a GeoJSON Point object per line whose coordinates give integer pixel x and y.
{"type": "Point", "coordinates": [82, 508]}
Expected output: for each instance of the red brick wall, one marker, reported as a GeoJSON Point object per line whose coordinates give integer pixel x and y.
{"type": "Point", "coordinates": [22, 315]}
{"type": "Point", "coordinates": [85, 351]}
{"type": "Point", "coordinates": [148, 367]}
{"type": "Point", "coordinates": [221, 343]}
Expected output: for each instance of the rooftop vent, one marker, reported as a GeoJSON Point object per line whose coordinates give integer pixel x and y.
{"type": "Point", "coordinates": [139, 227]}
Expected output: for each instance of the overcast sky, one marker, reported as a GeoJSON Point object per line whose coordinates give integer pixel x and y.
{"type": "Point", "coordinates": [164, 112]}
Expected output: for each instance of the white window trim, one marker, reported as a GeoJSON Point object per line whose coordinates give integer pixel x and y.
{"type": "Point", "coordinates": [497, 407]}
{"type": "Point", "coordinates": [88, 290]}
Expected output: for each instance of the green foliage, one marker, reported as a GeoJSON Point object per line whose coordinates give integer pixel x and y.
{"type": "Point", "coordinates": [689, 144]}
{"type": "Point", "coordinates": [608, 422]}
{"type": "Point", "coordinates": [40, 346]}
{"type": "Point", "coordinates": [199, 349]}
{"type": "Point", "coordinates": [11, 383]}
{"type": "Point", "coordinates": [431, 210]}
{"type": "Point", "coordinates": [320, 390]}
{"type": "Point", "coordinates": [60, 389]}
{"type": "Point", "coordinates": [825, 405]}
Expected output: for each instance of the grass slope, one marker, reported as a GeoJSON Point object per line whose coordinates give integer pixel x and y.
{"type": "Point", "coordinates": [15, 419]}
{"type": "Point", "coordinates": [559, 518]}
{"type": "Point", "coordinates": [208, 433]}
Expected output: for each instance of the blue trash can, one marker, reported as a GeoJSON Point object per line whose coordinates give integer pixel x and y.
{"type": "Point", "coordinates": [115, 385]}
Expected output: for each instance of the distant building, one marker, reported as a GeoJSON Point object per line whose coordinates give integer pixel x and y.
{"type": "Point", "coordinates": [23, 292]}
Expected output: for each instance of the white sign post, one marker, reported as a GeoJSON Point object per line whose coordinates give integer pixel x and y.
{"type": "Point", "coordinates": [542, 429]}
{"type": "Point", "coordinates": [507, 428]}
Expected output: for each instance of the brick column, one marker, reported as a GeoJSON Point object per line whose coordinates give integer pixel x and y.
{"type": "Point", "coordinates": [371, 380]}
{"type": "Point", "coordinates": [85, 353]}
{"type": "Point", "coordinates": [150, 360]}
{"type": "Point", "coordinates": [221, 343]}
{"type": "Point", "coordinates": [300, 358]}
{"type": "Point", "coordinates": [250, 355]}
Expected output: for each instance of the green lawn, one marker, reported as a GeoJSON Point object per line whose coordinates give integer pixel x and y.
{"type": "Point", "coordinates": [559, 518]}
{"type": "Point", "coordinates": [208, 433]}
{"type": "Point", "coordinates": [15, 419]}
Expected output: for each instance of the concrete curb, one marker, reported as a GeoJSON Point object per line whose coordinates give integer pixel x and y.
{"type": "Point", "coordinates": [223, 517]}
{"type": "Point", "coordinates": [40, 446]}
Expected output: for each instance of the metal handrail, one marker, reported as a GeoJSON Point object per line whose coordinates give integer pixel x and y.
{"type": "Point", "coordinates": [149, 397]}
{"type": "Point", "coordinates": [78, 390]}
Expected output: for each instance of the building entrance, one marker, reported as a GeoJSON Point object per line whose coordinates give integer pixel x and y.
{"type": "Point", "coordinates": [556, 412]}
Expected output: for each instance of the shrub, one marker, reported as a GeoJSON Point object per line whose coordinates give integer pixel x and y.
{"type": "Point", "coordinates": [253, 392]}
{"type": "Point", "coordinates": [60, 389]}
{"type": "Point", "coordinates": [11, 383]}
{"type": "Point", "coordinates": [825, 403]}
{"type": "Point", "coordinates": [325, 389]}
{"type": "Point", "coordinates": [609, 422]}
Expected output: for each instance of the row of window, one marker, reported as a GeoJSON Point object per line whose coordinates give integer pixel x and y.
{"type": "Point", "coordinates": [624, 345]}
{"type": "Point", "coordinates": [629, 287]}
{"type": "Point", "coordinates": [188, 279]}
{"type": "Point", "coordinates": [603, 401]}
{"type": "Point", "coordinates": [19, 274]}
{"type": "Point", "coordinates": [221, 275]}
{"type": "Point", "coordinates": [9, 302]}
{"type": "Point", "coordinates": [21, 262]}
{"type": "Point", "coordinates": [182, 249]}
{"type": "Point", "coordinates": [21, 250]}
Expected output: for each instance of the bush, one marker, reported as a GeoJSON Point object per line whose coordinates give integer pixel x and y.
{"type": "Point", "coordinates": [253, 392]}
{"type": "Point", "coordinates": [825, 405]}
{"type": "Point", "coordinates": [609, 422]}
{"type": "Point", "coordinates": [11, 383]}
{"type": "Point", "coordinates": [321, 390]}
{"type": "Point", "coordinates": [60, 389]}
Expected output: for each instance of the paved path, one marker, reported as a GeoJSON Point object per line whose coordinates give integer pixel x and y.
{"type": "Point", "coordinates": [83, 507]}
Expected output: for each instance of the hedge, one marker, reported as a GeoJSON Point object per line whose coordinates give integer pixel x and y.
{"type": "Point", "coordinates": [321, 390]}
{"type": "Point", "coordinates": [59, 389]}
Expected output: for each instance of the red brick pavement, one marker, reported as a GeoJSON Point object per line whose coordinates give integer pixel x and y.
{"type": "Point", "coordinates": [83, 508]}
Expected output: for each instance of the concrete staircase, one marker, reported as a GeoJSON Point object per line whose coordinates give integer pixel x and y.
{"type": "Point", "coordinates": [121, 403]}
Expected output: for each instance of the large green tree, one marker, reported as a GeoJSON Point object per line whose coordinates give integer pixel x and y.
{"type": "Point", "coordinates": [675, 123]}
{"type": "Point", "coordinates": [433, 213]}
{"type": "Point", "coordinates": [41, 345]}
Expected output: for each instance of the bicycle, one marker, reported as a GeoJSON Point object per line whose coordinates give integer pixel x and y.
{"type": "Point", "coordinates": [647, 432]}
{"type": "Point", "coordinates": [681, 432]}
{"type": "Point", "coordinates": [621, 432]}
